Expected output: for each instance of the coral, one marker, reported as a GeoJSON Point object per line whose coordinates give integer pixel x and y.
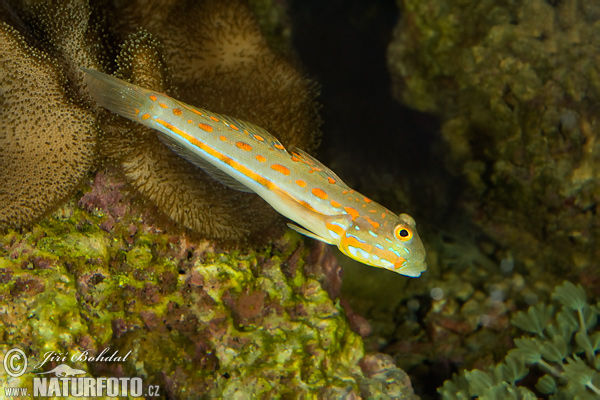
{"type": "Point", "coordinates": [516, 87]}
{"type": "Point", "coordinates": [47, 140]}
{"type": "Point", "coordinates": [228, 67]}
{"type": "Point", "coordinates": [561, 350]}
{"type": "Point", "coordinates": [196, 319]}
{"type": "Point", "coordinates": [69, 31]}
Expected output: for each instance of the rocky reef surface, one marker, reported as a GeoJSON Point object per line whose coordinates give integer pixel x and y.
{"type": "Point", "coordinates": [199, 321]}
{"type": "Point", "coordinates": [516, 86]}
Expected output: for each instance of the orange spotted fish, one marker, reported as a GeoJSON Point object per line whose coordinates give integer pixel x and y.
{"type": "Point", "coordinates": [245, 157]}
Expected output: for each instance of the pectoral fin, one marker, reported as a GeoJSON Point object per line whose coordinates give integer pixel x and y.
{"type": "Point", "coordinates": [309, 233]}
{"type": "Point", "coordinates": [341, 221]}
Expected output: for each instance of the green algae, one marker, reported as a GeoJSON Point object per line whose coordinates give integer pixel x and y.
{"type": "Point", "coordinates": [560, 345]}
{"type": "Point", "coordinates": [217, 323]}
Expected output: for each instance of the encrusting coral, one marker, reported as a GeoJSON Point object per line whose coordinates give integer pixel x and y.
{"type": "Point", "coordinates": [563, 348]}
{"type": "Point", "coordinates": [225, 65]}
{"type": "Point", "coordinates": [516, 85]}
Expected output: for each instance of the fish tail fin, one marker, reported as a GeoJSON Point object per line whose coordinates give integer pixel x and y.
{"type": "Point", "coordinates": [112, 93]}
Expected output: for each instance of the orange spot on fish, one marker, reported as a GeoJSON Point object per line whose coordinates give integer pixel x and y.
{"type": "Point", "coordinates": [259, 138]}
{"type": "Point", "coordinates": [331, 180]}
{"type": "Point", "coordinates": [335, 228]}
{"type": "Point", "coordinates": [306, 205]}
{"type": "Point", "coordinates": [246, 132]}
{"type": "Point", "coordinates": [295, 159]}
{"type": "Point", "coordinates": [146, 116]}
{"type": "Point", "coordinates": [234, 127]}
{"type": "Point", "coordinates": [383, 215]}
{"type": "Point", "coordinates": [367, 200]}
{"type": "Point", "coordinates": [280, 168]}
{"type": "Point", "coordinates": [344, 192]}
{"type": "Point", "coordinates": [353, 213]}
{"type": "Point", "coordinates": [399, 263]}
{"type": "Point", "coordinates": [177, 112]}
{"type": "Point", "coordinates": [261, 158]}
{"type": "Point", "coordinates": [320, 193]}
{"type": "Point", "coordinates": [372, 211]}
{"type": "Point", "coordinates": [354, 242]}
{"type": "Point", "coordinates": [335, 203]}
{"type": "Point", "coordinates": [195, 111]}
{"type": "Point", "coordinates": [205, 127]}
{"type": "Point", "coordinates": [244, 146]}
{"type": "Point", "coordinates": [223, 138]}
{"type": "Point", "coordinates": [214, 118]}
{"type": "Point", "coordinates": [189, 121]}
{"type": "Point", "coordinates": [136, 110]}
{"type": "Point", "coordinates": [300, 183]}
{"type": "Point", "coordinates": [163, 105]}
{"type": "Point", "coordinates": [153, 97]}
{"type": "Point", "coordinates": [374, 224]}
{"type": "Point", "coordinates": [279, 146]}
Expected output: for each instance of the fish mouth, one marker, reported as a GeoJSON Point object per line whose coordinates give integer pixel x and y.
{"type": "Point", "coordinates": [413, 269]}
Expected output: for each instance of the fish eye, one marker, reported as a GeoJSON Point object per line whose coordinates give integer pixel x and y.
{"type": "Point", "coordinates": [403, 233]}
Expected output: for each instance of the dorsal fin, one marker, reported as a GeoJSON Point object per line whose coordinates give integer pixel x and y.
{"type": "Point", "coordinates": [240, 125]}
{"type": "Point", "coordinates": [192, 157]}
{"type": "Point", "coordinates": [319, 166]}
{"type": "Point", "coordinates": [252, 129]}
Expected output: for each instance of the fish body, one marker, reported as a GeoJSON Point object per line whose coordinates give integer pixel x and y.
{"type": "Point", "coordinates": [245, 157]}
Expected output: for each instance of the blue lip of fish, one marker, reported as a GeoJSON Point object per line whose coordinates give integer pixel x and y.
{"type": "Point", "coordinates": [245, 157]}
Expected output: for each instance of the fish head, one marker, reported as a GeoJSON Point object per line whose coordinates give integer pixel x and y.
{"type": "Point", "coordinates": [394, 245]}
